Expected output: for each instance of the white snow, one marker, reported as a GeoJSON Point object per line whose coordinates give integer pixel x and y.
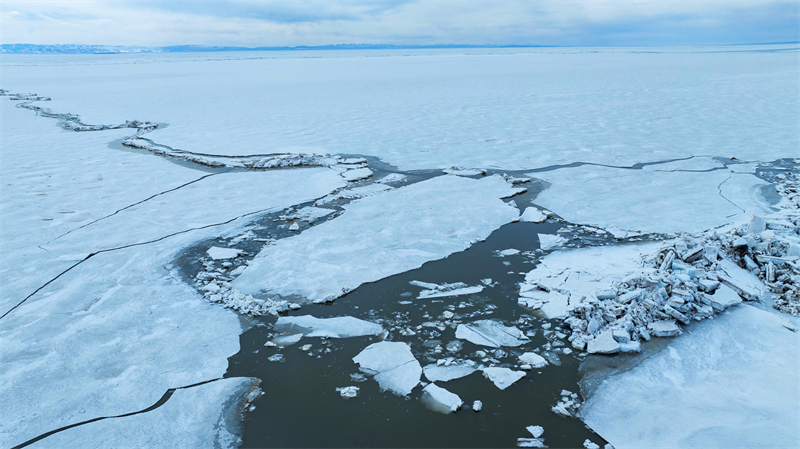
{"type": "Point", "coordinates": [733, 382]}
{"type": "Point", "coordinates": [477, 406]}
{"type": "Point", "coordinates": [534, 215]}
{"type": "Point", "coordinates": [440, 400]}
{"type": "Point", "coordinates": [218, 253]}
{"type": "Point", "coordinates": [442, 373]}
{"type": "Point", "coordinates": [651, 201]}
{"type": "Point", "coordinates": [337, 327]}
{"type": "Point", "coordinates": [396, 231]}
{"type": "Point", "coordinates": [502, 377]}
{"type": "Point", "coordinates": [491, 333]}
{"type": "Point", "coordinates": [549, 241]}
{"type": "Point", "coordinates": [203, 416]}
{"type": "Point", "coordinates": [393, 365]}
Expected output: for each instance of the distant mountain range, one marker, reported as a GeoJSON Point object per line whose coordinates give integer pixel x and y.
{"type": "Point", "coordinates": [114, 49]}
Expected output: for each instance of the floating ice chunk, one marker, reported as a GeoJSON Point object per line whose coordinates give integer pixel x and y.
{"type": "Point", "coordinates": [530, 442]}
{"type": "Point", "coordinates": [218, 253]}
{"type": "Point", "coordinates": [294, 227]}
{"type": "Point", "coordinates": [356, 193]}
{"type": "Point", "coordinates": [357, 174]}
{"type": "Point", "coordinates": [588, 444]}
{"type": "Point", "coordinates": [603, 343]}
{"type": "Point", "coordinates": [393, 364]}
{"type": "Point", "coordinates": [428, 285]}
{"type": "Point", "coordinates": [737, 278]}
{"type": "Point", "coordinates": [440, 400]}
{"type": "Point", "coordinates": [348, 392]}
{"type": "Point", "coordinates": [463, 171]}
{"type": "Point", "coordinates": [548, 241]}
{"type": "Point", "coordinates": [502, 377]}
{"type": "Point", "coordinates": [445, 290]}
{"type": "Point", "coordinates": [664, 329]}
{"type": "Point", "coordinates": [533, 360]}
{"type": "Point", "coordinates": [536, 431]}
{"type": "Point", "coordinates": [534, 215]}
{"type": "Point", "coordinates": [441, 373]}
{"type": "Point", "coordinates": [733, 382]}
{"type": "Point", "coordinates": [287, 340]}
{"type": "Point", "coordinates": [392, 178]}
{"type": "Point", "coordinates": [757, 225]}
{"type": "Point", "coordinates": [338, 327]}
{"type": "Point", "coordinates": [477, 406]}
{"type": "Point", "coordinates": [397, 231]}
{"type": "Point", "coordinates": [491, 333]}
{"type": "Point", "coordinates": [724, 297]}
{"type": "Point", "coordinates": [508, 252]}
{"type": "Point", "coordinates": [276, 358]}
{"type": "Point", "coordinates": [312, 213]}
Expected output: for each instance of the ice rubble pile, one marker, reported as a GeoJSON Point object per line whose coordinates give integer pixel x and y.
{"type": "Point", "coordinates": [689, 278]}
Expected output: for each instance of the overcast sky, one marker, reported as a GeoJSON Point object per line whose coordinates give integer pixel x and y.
{"type": "Point", "coordinates": [291, 23]}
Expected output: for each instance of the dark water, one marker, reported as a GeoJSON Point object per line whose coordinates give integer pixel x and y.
{"type": "Point", "coordinates": [301, 407]}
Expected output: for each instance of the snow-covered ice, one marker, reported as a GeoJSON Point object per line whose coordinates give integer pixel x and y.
{"type": "Point", "coordinates": [502, 378]}
{"type": "Point", "coordinates": [379, 236]}
{"type": "Point", "coordinates": [393, 365]}
{"type": "Point", "coordinates": [203, 416]}
{"type": "Point", "coordinates": [357, 174]}
{"type": "Point", "coordinates": [491, 333]}
{"type": "Point", "coordinates": [533, 360]}
{"type": "Point", "coordinates": [651, 201]}
{"type": "Point", "coordinates": [549, 241]}
{"type": "Point", "coordinates": [348, 392]}
{"type": "Point", "coordinates": [733, 382]}
{"type": "Point", "coordinates": [337, 327]}
{"type": "Point", "coordinates": [218, 253]}
{"type": "Point", "coordinates": [440, 400]}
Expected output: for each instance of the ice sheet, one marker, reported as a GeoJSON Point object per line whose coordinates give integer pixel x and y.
{"type": "Point", "coordinates": [612, 106]}
{"type": "Point", "coordinates": [733, 382]}
{"type": "Point", "coordinates": [203, 416]}
{"type": "Point", "coordinates": [651, 201]}
{"type": "Point", "coordinates": [379, 236]}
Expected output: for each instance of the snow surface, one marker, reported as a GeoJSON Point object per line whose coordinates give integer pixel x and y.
{"type": "Point", "coordinates": [202, 416]}
{"type": "Point", "coordinates": [379, 236]}
{"type": "Point", "coordinates": [114, 333]}
{"type": "Point", "coordinates": [393, 364]}
{"type": "Point", "coordinates": [733, 382]}
{"type": "Point", "coordinates": [605, 105]}
{"type": "Point", "coordinates": [338, 327]}
{"type": "Point", "coordinates": [652, 201]}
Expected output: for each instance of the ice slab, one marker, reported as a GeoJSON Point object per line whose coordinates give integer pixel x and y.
{"type": "Point", "coordinates": [533, 360]}
{"type": "Point", "coordinates": [379, 236]}
{"type": "Point", "coordinates": [491, 333]}
{"type": "Point", "coordinates": [533, 215]}
{"type": "Point", "coordinates": [733, 382]}
{"type": "Point", "coordinates": [696, 164]}
{"type": "Point", "coordinates": [446, 290]}
{"type": "Point", "coordinates": [218, 253]}
{"type": "Point", "coordinates": [654, 201]}
{"type": "Point", "coordinates": [337, 327]}
{"type": "Point", "coordinates": [207, 415]}
{"type": "Point", "coordinates": [440, 400]}
{"type": "Point", "coordinates": [393, 364]}
{"type": "Point", "coordinates": [739, 279]}
{"type": "Point", "coordinates": [357, 174]}
{"type": "Point", "coordinates": [549, 241]}
{"type": "Point", "coordinates": [502, 377]}
{"type": "Point", "coordinates": [442, 373]}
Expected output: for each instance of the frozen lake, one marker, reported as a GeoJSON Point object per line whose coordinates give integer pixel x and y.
{"type": "Point", "coordinates": [477, 209]}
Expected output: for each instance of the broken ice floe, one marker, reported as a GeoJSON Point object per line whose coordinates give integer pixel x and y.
{"type": "Point", "coordinates": [440, 400]}
{"type": "Point", "coordinates": [502, 378]}
{"type": "Point", "coordinates": [507, 252]}
{"type": "Point", "coordinates": [337, 327]}
{"type": "Point", "coordinates": [536, 440]}
{"type": "Point", "coordinates": [548, 241]}
{"type": "Point", "coordinates": [442, 373]}
{"type": "Point", "coordinates": [534, 215]}
{"type": "Point", "coordinates": [491, 333]}
{"type": "Point", "coordinates": [348, 392]}
{"type": "Point", "coordinates": [283, 341]}
{"type": "Point", "coordinates": [477, 406]}
{"type": "Point", "coordinates": [532, 360]}
{"type": "Point", "coordinates": [393, 365]}
{"type": "Point", "coordinates": [445, 290]}
{"type": "Point", "coordinates": [357, 174]}
{"type": "Point", "coordinates": [218, 253]}
{"type": "Point", "coordinates": [463, 171]}
{"type": "Point", "coordinates": [393, 178]}
{"type": "Point", "coordinates": [355, 193]}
